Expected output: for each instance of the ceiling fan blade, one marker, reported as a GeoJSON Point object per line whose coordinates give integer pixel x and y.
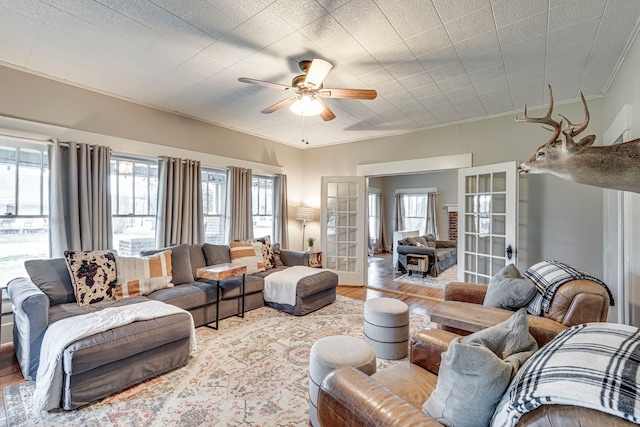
{"type": "Point", "coordinates": [263, 83]}
{"type": "Point", "coordinates": [279, 105]}
{"type": "Point", "coordinates": [349, 93]}
{"type": "Point", "coordinates": [317, 72]}
{"type": "Point", "coordinates": [326, 114]}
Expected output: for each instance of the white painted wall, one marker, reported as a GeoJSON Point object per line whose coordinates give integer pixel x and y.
{"type": "Point", "coordinates": [558, 219]}
{"type": "Point", "coordinates": [625, 89]}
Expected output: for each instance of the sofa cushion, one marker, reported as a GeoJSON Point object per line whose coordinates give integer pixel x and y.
{"type": "Point", "coordinates": [248, 254]}
{"type": "Point", "coordinates": [187, 296]}
{"type": "Point", "coordinates": [143, 275]}
{"type": "Point", "coordinates": [509, 290]}
{"type": "Point", "coordinates": [476, 370]}
{"type": "Point", "coordinates": [52, 277]}
{"type": "Point", "coordinates": [196, 254]}
{"type": "Point", "coordinates": [93, 275]}
{"type": "Point", "coordinates": [216, 254]}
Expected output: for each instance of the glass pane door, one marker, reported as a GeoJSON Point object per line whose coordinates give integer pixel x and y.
{"type": "Point", "coordinates": [487, 223]}
{"type": "Point", "coordinates": [344, 221]}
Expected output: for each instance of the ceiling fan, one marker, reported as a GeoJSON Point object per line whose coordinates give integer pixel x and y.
{"type": "Point", "coordinates": [309, 90]}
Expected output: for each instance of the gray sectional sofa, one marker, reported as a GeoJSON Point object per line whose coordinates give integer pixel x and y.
{"type": "Point", "coordinates": [443, 254]}
{"type": "Point", "coordinates": [101, 364]}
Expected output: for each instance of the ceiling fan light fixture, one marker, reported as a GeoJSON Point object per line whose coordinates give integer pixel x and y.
{"type": "Point", "coordinates": [307, 106]}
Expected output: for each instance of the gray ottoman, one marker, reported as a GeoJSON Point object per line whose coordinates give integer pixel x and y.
{"type": "Point", "coordinates": [312, 293]}
{"type": "Point", "coordinates": [334, 352]}
{"type": "Point", "coordinates": [386, 327]}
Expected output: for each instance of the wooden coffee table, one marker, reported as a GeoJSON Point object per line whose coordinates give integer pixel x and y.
{"type": "Point", "coordinates": [220, 272]}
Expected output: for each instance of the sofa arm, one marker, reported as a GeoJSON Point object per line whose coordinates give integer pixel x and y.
{"type": "Point", "coordinates": [579, 301]}
{"type": "Point", "coordinates": [30, 319]}
{"type": "Point", "coordinates": [290, 258]}
{"type": "Point", "coordinates": [350, 398]}
{"type": "Point", "coordinates": [465, 292]}
{"type": "Point", "coordinates": [427, 346]}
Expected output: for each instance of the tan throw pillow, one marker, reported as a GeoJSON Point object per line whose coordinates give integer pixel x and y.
{"type": "Point", "coordinates": [143, 275]}
{"type": "Point", "coordinates": [249, 254]}
{"type": "Point", "coordinates": [93, 275]}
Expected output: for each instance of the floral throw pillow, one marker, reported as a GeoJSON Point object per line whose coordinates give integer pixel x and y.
{"type": "Point", "coordinates": [93, 275]}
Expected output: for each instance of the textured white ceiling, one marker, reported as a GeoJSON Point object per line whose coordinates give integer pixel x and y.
{"type": "Point", "coordinates": [432, 62]}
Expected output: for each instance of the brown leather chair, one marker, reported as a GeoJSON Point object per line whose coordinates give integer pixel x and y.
{"type": "Point", "coordinates": [575, 302]}
{"type": "Point", "coordinates": [394, 396]}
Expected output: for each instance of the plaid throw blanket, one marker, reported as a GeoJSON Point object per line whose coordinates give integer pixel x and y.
{"type": "Point", "coordinates": [593, 365]}
{"type": "Point", "coordinates": [548, 276]}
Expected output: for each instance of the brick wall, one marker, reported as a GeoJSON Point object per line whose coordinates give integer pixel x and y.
{"type": "Point", "coordinates": [453, 225]}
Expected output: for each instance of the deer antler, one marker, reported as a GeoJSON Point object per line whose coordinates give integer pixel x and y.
{"type": "Point", "coordinates": [546, 120]}
{"type": "Point", "coordinates": [576, 129]}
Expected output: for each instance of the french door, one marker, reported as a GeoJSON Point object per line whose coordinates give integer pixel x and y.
{"type": "Point", "coordinates": [343, 218]}
{"type": "Point", "coordinates": [487, 220]}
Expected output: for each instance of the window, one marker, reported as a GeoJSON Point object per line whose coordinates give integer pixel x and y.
{"type": "Point", "coordinates": [262, 203]}
{"type": "Point", "coordinates": [415, 211]}
{"type": "Point", "coordinates": [374, 218]}
{"type": "Point", "coordinates": [214, 191]}
{"type": "Point", "coordinates": [24, 206]}
{"type": "Point", "coordinates": [134, 199]}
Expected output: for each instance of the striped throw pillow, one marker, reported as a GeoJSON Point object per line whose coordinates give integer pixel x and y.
{"type": "Point", "coordinates": [249, 254]}
{"type": "Point", "coordinates": [143, 275]}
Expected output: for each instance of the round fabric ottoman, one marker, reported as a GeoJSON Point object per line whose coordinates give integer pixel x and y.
{"type": "Point", "coordinates": [334, 352]}
{"type": "Point", "coordinates": [386, 327]}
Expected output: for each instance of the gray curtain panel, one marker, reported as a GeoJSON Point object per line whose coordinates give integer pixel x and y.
{"type": "Point", "coordinates": [381, 238]}
{"type": "Point", "coordinates": [281, 212]}
{"type": "Point", "coordinates": [180, 218]}
{"type": "Point", "coordinates": [240, 212]}
{"type": "Point", "coordinates": [79, 198]}
{"type": "Point", "coordinates": [432, 222]}
{"type": "Point", "coordinates": [399, 212]}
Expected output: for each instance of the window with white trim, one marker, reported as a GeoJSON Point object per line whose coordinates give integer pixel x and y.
{"type": "Point", "coordinates": [134, 201]}
{"type": "Point", "coordinates": [214, 197]}
{"type": "Point", "coordinates": [24, 206]}
{"type": "Point", "coordinates": [262, 204]}
{"type": "Point", "coordinates": [415, 211]}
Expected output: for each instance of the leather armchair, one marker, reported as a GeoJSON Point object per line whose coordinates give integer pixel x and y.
{"type": "Point", "coordinates": [575, 302]}
{"type": "Point", "coordinates": [394, 396]}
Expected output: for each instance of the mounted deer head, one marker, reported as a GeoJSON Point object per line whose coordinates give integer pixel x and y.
{"type": "Point", "coordinates": [612, 166]}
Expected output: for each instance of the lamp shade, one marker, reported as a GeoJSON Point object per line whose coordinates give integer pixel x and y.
{"type": "Point", "coordinates": [304, 214]}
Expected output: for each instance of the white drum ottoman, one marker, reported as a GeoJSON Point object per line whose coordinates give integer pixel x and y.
{"type": "Point", "coordinates": [334, 352]}
{"type": "Point", "coordinates": [386, 327]}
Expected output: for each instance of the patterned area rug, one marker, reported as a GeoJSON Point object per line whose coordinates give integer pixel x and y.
{"type": "Point", "coordinates": [447, 276]}
{"type": "Point", "coordinates": [251, 372]}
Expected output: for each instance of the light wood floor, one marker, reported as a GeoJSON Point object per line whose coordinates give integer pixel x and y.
{"type": "Point", "coordinates": [381, 274]}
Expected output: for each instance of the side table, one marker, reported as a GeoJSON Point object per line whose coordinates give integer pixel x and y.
{"type": "Point", "coordinates": [220, 272]}
{"type": "Point", "coordinates": [419, 263]}
{"type": "Point", "coordinates": [315, 259]}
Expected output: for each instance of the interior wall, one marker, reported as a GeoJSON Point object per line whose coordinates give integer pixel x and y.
{"type": "Point", "coordinates": [40, 108]}
{"type": "Point", "coordinates": [625, 89]}
{"type": "Point", "coordinates": [446, 182]}
{"type": "Point", "coordinates": [549, 203]}
{"type": "Point", "coordinates": [557, 219]}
